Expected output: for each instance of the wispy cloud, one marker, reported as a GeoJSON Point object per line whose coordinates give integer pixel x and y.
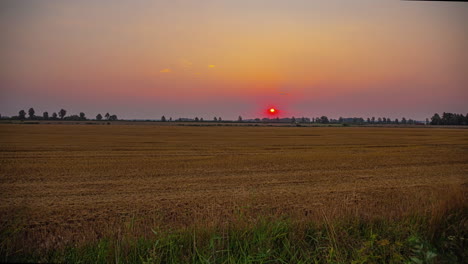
{"type": "Point", "coordinates": [165, 70]}
{"type": "Point", "coordinates": [184, 63]}
{"type": "Point", "coordinates": [211, 66]}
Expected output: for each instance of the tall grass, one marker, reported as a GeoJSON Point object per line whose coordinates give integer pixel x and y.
{"type": "Point", "coordinates": [438, 236]}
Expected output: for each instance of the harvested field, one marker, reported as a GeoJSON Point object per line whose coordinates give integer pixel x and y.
{"type": "Point", "coordinates": [76, 182]}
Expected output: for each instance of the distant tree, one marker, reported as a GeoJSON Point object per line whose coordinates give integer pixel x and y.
{"type": "Point", "coordinates": [107, 116]}
{"type": "Point", "coordinates": [22, 115]}
{"type": "Point", "coordinates": [45, 115]}
{"type": "Point", "coordinates": [112, 118]}
{"type": "Point", "coordinates": [31, 113]}
{"type": "Point", "coordinates": [368, 120]}
{"type": "Point", "coordinates": [196, 119]}
{"type": "Point", "coordinates": [427, 121]}
{"type": "Point", "coordinates": [449, 119]}
{"type": "Point", "coordinates": [219, 119]}
{"type": "Point", "coordinates": [239, 119]}
{"type": "Point", "coordinates": [62, 113]}
{"type": "Point", "coordinates": [293, 120]}
{"type": "Point", "coordinates": [99, 117]}
{"type": "Point", "coordinates": [163, 119]}
{"type": "Point", "coordinates": [73, 118]}
{"type": "Point", "coordinates": [54, 116]}
{"type": "Point", "coordinates": [396, 121]}
{"type": "Point", "coordinates": [436, 120]}
{"type": "Point", "coordinates": [303, 120]}
{"type": "Point", "coordinates": [384, 120]}
{"type": "Point", "coordinates": [170, 119]}
{"type": "Point", "coordinates": [215, 119]}
{"type": "Point", "coordinates": [373, 120]}
{"type": "Point", "coordinates": [324, 120]}
{"type": "Point", "coordinates": [403, 121]}
{"type": "Point", "coordinates": [82, 116]}
{"type": "Point", "coordinates": [379, 120]}
{"type": "Point", "coordinates": [340, 120]}
{"type": "Point", "coordinates": [201, 119]}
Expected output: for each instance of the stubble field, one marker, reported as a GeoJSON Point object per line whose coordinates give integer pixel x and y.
{"type": "Point", "coordinates": [76, 183]}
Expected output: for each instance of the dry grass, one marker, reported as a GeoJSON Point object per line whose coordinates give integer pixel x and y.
{"type": "Point", "coordinates": [79, 182]}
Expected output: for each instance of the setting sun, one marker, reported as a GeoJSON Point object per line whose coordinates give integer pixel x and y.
{"type": "Point", "coordinates": [272, 111]}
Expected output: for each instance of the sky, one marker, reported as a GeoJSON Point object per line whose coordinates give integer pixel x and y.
{"type": "Point", "coordinates": [144, 59]}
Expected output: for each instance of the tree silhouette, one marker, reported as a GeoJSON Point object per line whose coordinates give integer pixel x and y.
{"type": "Point", "coordinates": [31, 113]}
{"type": "Point", "coordinates": [324, 120]}
{"type": "Point", "coordinates": [163, 119]}
{"type": "Point", "coordinates": [449, 119]}
{"type": "Point", "coordinates": [215, 119]}
{"type": "Point", "coordinates": [435, 120]}
{"type": "Point", "coordinates": [219, 119]}
{"type": "Point", "coordinates": [107, 116]}
{"type": "Point", "coordinates": [403, 121]}
{"type": "Point", "coordinates": [82, 116]}
{"type": "Point", "coordinates": [112, 118]}
{"type": "Point", "coordinates": [239, 119]}
{"type": "Point", "coordinates": [22, 114]}
{"type": "Point", "coordinates": [62, 113]}
{"type": "Point", "coordinates": [54, 116]}
{"type": "Point", "coordinates": [99, 117]}
{"type": "Point", "coordinates": [201, 119]}
{"type": "Point", "coordinates": [45, 115]}
{"type": "Point", "coordinates": [293, 120]}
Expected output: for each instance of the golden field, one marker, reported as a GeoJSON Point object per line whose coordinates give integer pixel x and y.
{"type": "Point", "coordinates": [75, 182]}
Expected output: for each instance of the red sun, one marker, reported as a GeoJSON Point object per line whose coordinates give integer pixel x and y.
{"type": "Point", "coordinates": [272, 111]}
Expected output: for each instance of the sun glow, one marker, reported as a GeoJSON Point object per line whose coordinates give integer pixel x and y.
{"type": "Point", "coordinates": [272, 111]}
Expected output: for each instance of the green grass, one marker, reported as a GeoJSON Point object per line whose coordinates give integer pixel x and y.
{"type": "Point", "coordinates": [415, 239]}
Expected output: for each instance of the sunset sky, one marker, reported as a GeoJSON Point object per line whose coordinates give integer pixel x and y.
{"type": "Point", "coordinates": [206, 58]}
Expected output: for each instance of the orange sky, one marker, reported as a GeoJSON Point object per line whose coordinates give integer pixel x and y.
{"type": "Point", "coordinates": [143, 59]}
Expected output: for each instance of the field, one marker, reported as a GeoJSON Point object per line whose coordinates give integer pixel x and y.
{"type": "Point", "coordinates": [68, 186]}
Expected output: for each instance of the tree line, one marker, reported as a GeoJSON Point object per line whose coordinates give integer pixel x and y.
{"type": "Point", "coordinates": [446, 119]}
{"type": "Point", "coordinates": [60, 115]}
{"type": "Point", "coordinates": [449, 119]}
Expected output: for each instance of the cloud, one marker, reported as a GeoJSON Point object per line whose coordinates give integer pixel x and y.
{"type": "Point", "coordinates": [211, 66]}
{"type": "Point", "coordinates": [165, 70]}
{"type": "Point", "coordinates": [185, 63]}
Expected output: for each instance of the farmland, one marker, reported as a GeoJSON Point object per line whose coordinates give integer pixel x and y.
{"type": "Point", "coordinates": [76, 184]}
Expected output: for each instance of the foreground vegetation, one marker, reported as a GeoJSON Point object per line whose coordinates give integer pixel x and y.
{"type": "Point", "coordinates": [436, 237]}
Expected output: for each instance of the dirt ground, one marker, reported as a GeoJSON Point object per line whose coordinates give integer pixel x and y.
{"type": "Point", "coordinates": [76, 177]}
